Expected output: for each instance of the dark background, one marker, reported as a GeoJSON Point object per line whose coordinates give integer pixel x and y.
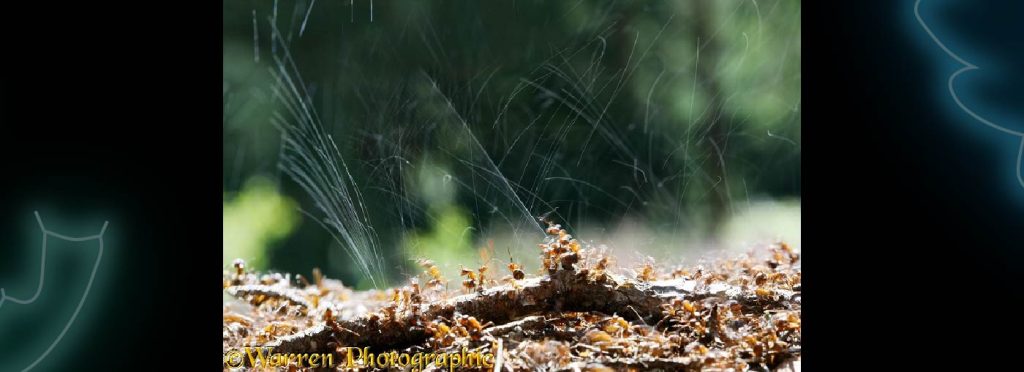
{"type": "Point", "coordinates": [111, 112]}
{"type": "Point", "coordinates": [919, 251]}
{"type": "Point", "coordinates": [923, 234]}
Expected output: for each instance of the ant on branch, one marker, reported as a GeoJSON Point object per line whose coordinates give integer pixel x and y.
{"type": "Point", "coordinates": [559, 248]}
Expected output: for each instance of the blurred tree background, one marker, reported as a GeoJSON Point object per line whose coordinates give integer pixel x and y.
{"type": "Point", "coordinates": [659, 128]}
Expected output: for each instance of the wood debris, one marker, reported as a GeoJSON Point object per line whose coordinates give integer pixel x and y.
{"type": "Point", "coordinates": [740, 314]}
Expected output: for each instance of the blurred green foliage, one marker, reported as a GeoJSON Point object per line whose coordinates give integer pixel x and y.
{"type": "Point", "coordinates": [447, 240]}
{"type": "Point", "coordinates": [254, 218]}
{"type": "Point", "coordinates": [677, 114]}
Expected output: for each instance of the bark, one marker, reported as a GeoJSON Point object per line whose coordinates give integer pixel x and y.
{"type": "Point", "coordinates": [256, 294]}
{"type": "Point", "coordinates": [566, 290]}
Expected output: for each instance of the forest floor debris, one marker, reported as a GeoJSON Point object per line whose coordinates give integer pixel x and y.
{"type": "Point", "coordinates": [582, 313]}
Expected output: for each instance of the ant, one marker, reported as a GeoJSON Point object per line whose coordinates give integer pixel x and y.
{"type": "Point", "coordinates": [470, 283]}
{"type": "Point", "coordinates": [560, 248]}
{"type": "Point", "coordinates": [514, 268]}
{"type": "Point", "coordinates": [647, 271]}
{"type": "Point", "coordinates": [598, 273]}
{"type": "Point", "coordinates": [436, 279]}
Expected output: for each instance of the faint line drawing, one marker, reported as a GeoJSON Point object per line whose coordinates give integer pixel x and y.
{"type": "Point", "coordinates": [42, 274]}
{"type": "Point", "coordinates": [967, 67]}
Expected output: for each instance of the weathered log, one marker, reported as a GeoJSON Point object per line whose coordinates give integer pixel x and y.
{"type": "Point", "coordinates": [257, 293]}
{"type": "Point", "coordinates": [638, 363]}
{"type": "Point", "coordinates": [565, 290]}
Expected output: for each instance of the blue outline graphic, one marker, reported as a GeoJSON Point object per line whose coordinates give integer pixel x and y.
{"type": "Point", "coordinates": [42, 272]}
{"type": "Point", "coordinates": [967, 67]}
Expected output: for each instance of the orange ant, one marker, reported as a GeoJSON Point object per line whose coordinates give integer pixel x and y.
{"type": "Point", "coordinates": [485, 258]}
{"type": "Point", "coordinates": [647, 272]}
{"type": "Point", "coordinates": [469, 326]}
{"type": "Point", "coordinates": [561, 249]}
{"type": "Point", "coordinates": [470, 283]}
{"type": "Point", "coordinates": [436, 279]}
{"type": "Point", "coordinates": [514, 268]}
{"type": "Point", "coordinates": [441, 334]}
{"type": "Point", "coordinates": [474, 280]}
{"type": "Point", "coordinates": [598, 273]}
{"type": "Point", "coordinates": [239, 265]}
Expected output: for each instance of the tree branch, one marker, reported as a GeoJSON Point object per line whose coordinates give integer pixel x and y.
{"type": "Point", "coordinates": [565, 290]}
